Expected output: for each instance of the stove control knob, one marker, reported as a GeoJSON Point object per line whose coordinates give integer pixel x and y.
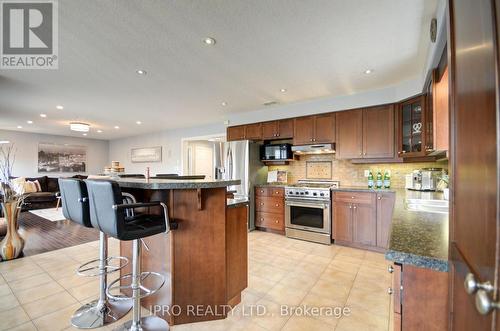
{"type": "Point", "coordinates": [301, 193]}
{"type": "Point", "coordinates": [322, 194]}
{"type": "Point", "coordinates": [307, 192]}
{"type": "Point", "coordinates": [315, 194]}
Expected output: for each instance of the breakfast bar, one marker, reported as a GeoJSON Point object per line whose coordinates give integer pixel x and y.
{"type": "Point", "coordinates": [204, 260]}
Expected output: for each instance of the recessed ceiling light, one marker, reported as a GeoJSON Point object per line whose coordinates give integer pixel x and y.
{"type": "Point", "coordinates": [209, 41]}
{"type": "Point", "coordinates": [224, 104]}
{"type": "Point", "coordinates": [283, 90]}
{"type": "Point", "coordinates": [29, 122]}
{"type": "Point", "coordinates": [19, 127]}
{"type": "Point", "coordinates": [141, 72]}
{"type": "Point", "coordinates": [99, 131]}
{"type": "Point", "coordinates": [117, 127]}
{"type": "Point", "coordinates": [59, 107]}
{"type": "Point", "coordinates": [79, 127]}
{"type": "Point", "coordinates": [368, 71]}
{"type": "Point", "coordinates": [138, 122]}
{"type": "Point", "coordinates": [43, 115]}
{"type": "Point", "coordinates": [84, 134]}
{"type": "Point", "coordinates": [4, 142]}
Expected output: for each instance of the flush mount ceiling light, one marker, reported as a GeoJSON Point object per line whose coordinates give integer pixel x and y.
{"type": "Point", "coordinates": [79, 127]}
{"type": "Point", "coordinates": [59, 107]}
{"type": "Point", "coordinates": [209, 41]}
{"type": "Point", "coordinates": [224, 104]}
{"type": "Point", "coordinates": [138, 122]}
{"type": "Point", "coordinates": [29, 122]}
{"type": "Point", "coordinates": [19, 127]}
{"type": "Point", "coordinates": [99, 131]}
{"type": "Point", "coordinates": [283, 90]}
{"type": "Point", "coordinates": [117, 127]}
{"type": "Point", "coordinates": [43, 115]}
{"type": "Point", "coordinates": [368, 71]}
{"type": "Point", "coordinates": [4, 142]}
{"type": "Point", "coordinates": [141, 72]}
{"type": "Point", "coordinates": [84, 134]}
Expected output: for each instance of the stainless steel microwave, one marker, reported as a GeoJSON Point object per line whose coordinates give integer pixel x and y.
{"type": "Point", "coordinates": [276, 152]}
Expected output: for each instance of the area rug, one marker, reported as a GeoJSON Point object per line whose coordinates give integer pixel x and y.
{"type": "Point", "coordinates": [50, 214]}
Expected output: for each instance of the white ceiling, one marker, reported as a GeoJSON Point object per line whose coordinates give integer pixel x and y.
{"type": "Point", "coordinates": [313, 48]}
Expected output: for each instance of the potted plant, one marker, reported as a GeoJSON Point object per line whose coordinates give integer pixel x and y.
{"type": "Point", "coordinates": [12, 244]}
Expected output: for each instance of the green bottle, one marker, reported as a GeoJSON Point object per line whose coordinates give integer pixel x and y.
{"type": "Point", "coordinates": [387, 179]}
{"type": "Point", "coordinates": [379, 179]}
{"type": "Point", "coordinates": [370, 180]}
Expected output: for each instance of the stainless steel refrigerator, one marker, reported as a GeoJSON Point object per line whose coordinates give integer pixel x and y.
{"type": "Point", "coordinates": [241, 160]}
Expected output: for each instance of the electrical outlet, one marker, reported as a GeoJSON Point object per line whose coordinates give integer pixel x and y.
{"type": "Point", "coordinates": [367, 173]}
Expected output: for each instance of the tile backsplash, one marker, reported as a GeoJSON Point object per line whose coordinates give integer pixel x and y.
{"type": "Point", "coordinates": [347, 173]}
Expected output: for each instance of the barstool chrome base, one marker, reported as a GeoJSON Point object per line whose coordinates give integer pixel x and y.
{"type": "Point", "coordinates": [94, 315]}
{"type": "Point", "coordinates": [148, 323]}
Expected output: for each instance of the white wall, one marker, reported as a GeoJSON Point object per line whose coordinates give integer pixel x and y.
{"type": "Point", "coordinates": [171, 140]}
{"type": "Point", "coordinates": [26, 145]}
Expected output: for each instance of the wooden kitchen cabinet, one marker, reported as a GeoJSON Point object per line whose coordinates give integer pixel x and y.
{"type": "Point", "coordinates": [244, 132]}
{"type": "Point", "coordinates": [420, 298]}
{"type": "Point", "coordinates": [412, 128]}
{"type": "Point", "coordinates": [441, 111]}
{"type": "Point", "coordinates": [270, 208]}
{"type": "Point", "coordinates": [236, 250]}
{"type": "Point", "coordinates": [235, 133]}
{"type": "Point", "coordinates": [314, 129]}
{"type": "Point", "coordinates": [282, 129]}
{"type": "Point", "coordinates": [385, 208]}
{"type": "Point", "coordinates": [378, 132]}
{"type": "Point", "coordinates": [354, 219]}
{"type": "Point", "coordinates": [349, 142]}
{"type": "Point", "coordinates": [366, 133]}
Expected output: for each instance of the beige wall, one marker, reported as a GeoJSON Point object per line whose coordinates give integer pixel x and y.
{"type": "Point", "coordinates": [350, 174]}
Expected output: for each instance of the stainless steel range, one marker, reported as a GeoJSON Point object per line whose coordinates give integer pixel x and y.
{"type": "Point", "coordinates": [308, 210]}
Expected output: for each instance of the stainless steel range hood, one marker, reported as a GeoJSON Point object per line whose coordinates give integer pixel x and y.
{"type": "Point", "coordinates": [314, 149]}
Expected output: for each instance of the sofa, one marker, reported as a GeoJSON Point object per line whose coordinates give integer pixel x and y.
{"type": "Point", "coordinates": [47, 198]}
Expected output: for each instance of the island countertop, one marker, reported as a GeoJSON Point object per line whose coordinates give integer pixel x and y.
{"type": "Point", "coordinates": [173, 184]}
{"type": "Point", "coordinates": [418, 238]}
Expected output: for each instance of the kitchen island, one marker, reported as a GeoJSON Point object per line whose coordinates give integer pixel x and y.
{"type": "Point", "coordinates": [204, 260]}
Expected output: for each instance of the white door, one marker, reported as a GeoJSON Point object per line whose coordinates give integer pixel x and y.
{"type": "Point", "coordinates": [203, 160]}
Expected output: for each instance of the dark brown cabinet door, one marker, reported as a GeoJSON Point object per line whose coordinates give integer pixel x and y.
{"type": "Point", "coordinates": [236, 133]}
{"type": "Point", "coordinates": [364, 224]}
{"type": "Point", "coordinates": [342, 224]}
{"type": "Point", "coordinates": [349, 127]}
{"type": "Point", "coordinates": [378, 132]}
{"type": "Point", "coordinates": [412, 127]}
{"type": "Point", "coordinates": [385, 207]}
{"type": "Point", "coordinates": [285, 129]}
{"type": "Point", "coordinates": [270, 130]}
{"type": "Point", "coordinates": [253, 131]}
{"type": "Point", "coordinates": [303, 130]}
{"type": "Point", "coordinates": [324, 128]}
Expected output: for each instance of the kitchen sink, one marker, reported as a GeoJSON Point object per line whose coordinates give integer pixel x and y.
{"type": "Point", "coordinates": [430, 206]}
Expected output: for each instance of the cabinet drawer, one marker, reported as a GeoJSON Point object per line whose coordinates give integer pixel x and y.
{"type": "Point", "coordinates": [270, 220]}
{"type": "Point", "coordinates": [261, 191]}
{"type": "Point", "coordinates": [270, 191]}
{"type": "Point", "coordinates": [355, 197]}
{"type": "Point", "coordinates": [269, 204]}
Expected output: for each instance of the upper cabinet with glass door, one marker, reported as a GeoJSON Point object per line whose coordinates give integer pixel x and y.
{"type": "Point", "coordinates": [412, 128]}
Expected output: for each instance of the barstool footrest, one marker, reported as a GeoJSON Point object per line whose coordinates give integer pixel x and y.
{"type": "Point", "coordinates": [84, 269]}
{"type": "Point", "coordinates": [147, 291]}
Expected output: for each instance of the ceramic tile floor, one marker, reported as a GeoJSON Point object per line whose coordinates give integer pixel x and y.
{"type": "Point", "coordinates": [41, 292]}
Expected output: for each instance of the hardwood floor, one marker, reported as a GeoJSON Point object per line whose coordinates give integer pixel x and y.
{"type": "Point", "coordinates": [42, 235]}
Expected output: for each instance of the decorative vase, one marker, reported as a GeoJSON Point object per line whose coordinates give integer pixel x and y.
{"type": "Point", "coordinates": [12, 244]}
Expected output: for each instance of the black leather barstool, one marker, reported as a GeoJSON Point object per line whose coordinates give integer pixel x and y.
{"type": "Point", "coordinates": [102, 311]}
{"type": "Point", "coordinates": [110, 215]}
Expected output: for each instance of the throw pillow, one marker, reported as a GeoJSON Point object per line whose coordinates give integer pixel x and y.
{"type": "Point", "coordinates": [38, 186]}
{"type": "Point", "coordinates": [29, 187]}
{"type": "Point", "coordinates": [18, 184]}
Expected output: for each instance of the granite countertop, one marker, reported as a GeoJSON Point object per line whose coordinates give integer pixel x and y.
{"type": "Point", "coordinates": [168, 184]}
{"type": "Point", "coordinates": [231, 203]}
{"type": "Point", "coordinates": [417, 238]}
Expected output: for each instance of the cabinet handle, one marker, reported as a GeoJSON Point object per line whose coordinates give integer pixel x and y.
{"type": "Point", "coordinates": [390, 291]}
{"type": "Point", "coordinates": [364, 153]}
{"type": "Point", "coordinates": [261, 191]}
{"type": "Point", "coordinates": [277, 205]}
{"type": "Point", "coordinates": [277, 135]}
{"type": "Point", "coordinates": [352, 197]}
{"type": "Point", "coordinates": [350, 206]}
{"type": "Point", "coordinates": [276, 222]}
{"type": "Point", "coordinates": [360, 153]}
{"type": "Point", "coordinates": [277, 192]}
{"type": "Point", "coordinates": [390, 269]}
{"type": "Point", "coordinates": [262, 204]}
{"type": "Point", "coordinates": [262, 219]}
{"type": "Point", "coordinates": [379, 198]}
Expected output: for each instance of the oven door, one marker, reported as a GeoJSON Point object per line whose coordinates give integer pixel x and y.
{"type": "Point", "coordinates": [308, 215]}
